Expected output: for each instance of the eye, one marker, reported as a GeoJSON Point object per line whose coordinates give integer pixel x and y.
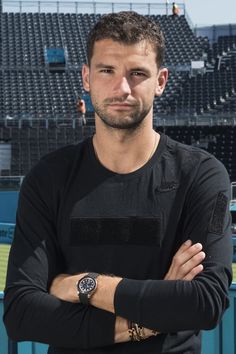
{"type": "Point", "coordinates": [138, 74]}
{"type": "Point", "coordinates": [106, 71]}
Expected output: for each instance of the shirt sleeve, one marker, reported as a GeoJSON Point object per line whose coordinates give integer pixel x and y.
{"type": "Point", "coordinates": [31, 313]}
{"type": "Point", "coordinates": [171, 306]}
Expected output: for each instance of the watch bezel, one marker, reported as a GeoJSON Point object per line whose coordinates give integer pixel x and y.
{"type": "Point", "coordinates": [86, 291]}
{"type": "Point", "coordinates": [83, 294]}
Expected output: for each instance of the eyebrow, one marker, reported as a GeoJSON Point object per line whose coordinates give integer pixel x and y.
{"type": "Point", "coordinates": [139, 68]}
{"type": "Point", "coordinates": [101, 65]}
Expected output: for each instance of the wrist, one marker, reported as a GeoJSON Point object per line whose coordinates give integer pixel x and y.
{"type": "Point", "coordinates": [103, 298]}
{"type": "Point", "coordinates": [121, 330]}
{"type": "Point", "coordinates": [139, 333]}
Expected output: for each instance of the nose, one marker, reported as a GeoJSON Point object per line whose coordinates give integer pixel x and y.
{"type": "Point", "coordinates": [122, 86]}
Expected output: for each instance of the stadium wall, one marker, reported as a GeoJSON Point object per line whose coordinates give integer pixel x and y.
{"type": "Point", "coordinates": [8, 204]}
{"type": "Point", "coordinates": [215, 31]}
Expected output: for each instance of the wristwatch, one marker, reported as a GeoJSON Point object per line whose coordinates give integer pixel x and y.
{"type": "Point", "coordinates": [86, 287]}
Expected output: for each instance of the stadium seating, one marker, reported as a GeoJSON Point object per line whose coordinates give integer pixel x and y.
{"type": "Point", "coordinates": [220, 141]}
{"type": "Point", "coordinates": [29, 89]}
{"type": "Point", "coordinates": [29, 143]}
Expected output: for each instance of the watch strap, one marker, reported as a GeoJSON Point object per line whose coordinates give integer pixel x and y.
{"type": "Point", "coordinates": [84, 299]}
{"type": "Point", "coordinates": [92, 275]}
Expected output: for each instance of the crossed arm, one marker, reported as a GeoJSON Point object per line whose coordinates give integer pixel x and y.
{"type": "Point", "coordinates": [186, 264]}
{"type": "Point", "coordinates": [30, 313]}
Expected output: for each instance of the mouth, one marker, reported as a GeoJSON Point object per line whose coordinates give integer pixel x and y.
{"type": "Point", "coordinates": [121, 106]}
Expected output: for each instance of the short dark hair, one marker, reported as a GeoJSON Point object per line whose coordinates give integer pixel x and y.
{"type": "Point", "coordinates": [127, 27]}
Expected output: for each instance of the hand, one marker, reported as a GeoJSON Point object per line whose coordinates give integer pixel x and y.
{"type": "Point", "coordinates": [186, 263]}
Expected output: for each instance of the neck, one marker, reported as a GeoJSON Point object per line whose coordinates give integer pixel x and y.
{"type": "Point", "coordinates": [123, 152]}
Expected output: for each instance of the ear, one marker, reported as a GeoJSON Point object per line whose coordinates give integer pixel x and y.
{"type": "Point", "coordinates": [161, 81]}
{"type": "Point", "coordinates": [85, 77]}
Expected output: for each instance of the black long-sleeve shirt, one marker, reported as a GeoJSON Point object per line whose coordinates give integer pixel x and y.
{"type": "Point", "coordinates": [74, 216]}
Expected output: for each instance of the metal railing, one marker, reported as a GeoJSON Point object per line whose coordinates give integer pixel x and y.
{"type": "Point", "coordinates": [233, 195]}
{"type": "Point", "coordinates": [70, 119]}
{"type": "Point", "coordinates": [93, 7]}
{"type": "Point", "coordinates": [10, 183]}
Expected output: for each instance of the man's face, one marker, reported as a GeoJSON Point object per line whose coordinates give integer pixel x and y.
{"type": "Point", "coordinates": [123, 81]}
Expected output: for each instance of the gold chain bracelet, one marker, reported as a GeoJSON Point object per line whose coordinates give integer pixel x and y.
{"type": "Point", "coordinates": [136, 332]}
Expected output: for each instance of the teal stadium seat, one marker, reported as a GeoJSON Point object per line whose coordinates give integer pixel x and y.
{"type": "Point", "coordinates": [3, 334]}
{"type": "Point", "coordinates": [6, 236]}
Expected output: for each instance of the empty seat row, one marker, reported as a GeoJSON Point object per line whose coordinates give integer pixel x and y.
{"type": "Point", "coordinates": [29, 144]}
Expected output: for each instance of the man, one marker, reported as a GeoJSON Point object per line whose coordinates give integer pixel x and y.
{"type": "Point", "coordinates": [175, 9]}
{"type": "Point", "coordinates": [81, 108]}
{"type": "Point", "coordinates": [123, 242]}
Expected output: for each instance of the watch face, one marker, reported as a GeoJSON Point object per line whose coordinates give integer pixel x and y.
{"type": "Point", "coordinates": [86, 285]}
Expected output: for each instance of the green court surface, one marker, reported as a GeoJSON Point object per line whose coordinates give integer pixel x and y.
{"type": "Point", "coordinates": [234, 272]}
{"type": "Point", "coordinates": [4, 252]}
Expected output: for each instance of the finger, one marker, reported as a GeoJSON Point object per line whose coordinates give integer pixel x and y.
{"type": "Point", "coordinates": [181, 258]}
{"type": "Point", "coordinates": [183, 269]}
{"type": "Point", "coordinates": [194, 261]}
{"type": "Point", "coordinates": [194, 272]}
{"type": "Point", "coordinates": [191, 264]}
{"type": "Point", "coordinates": [184, 247]}
{"type": "Point", "coordinates": [180, 267]}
